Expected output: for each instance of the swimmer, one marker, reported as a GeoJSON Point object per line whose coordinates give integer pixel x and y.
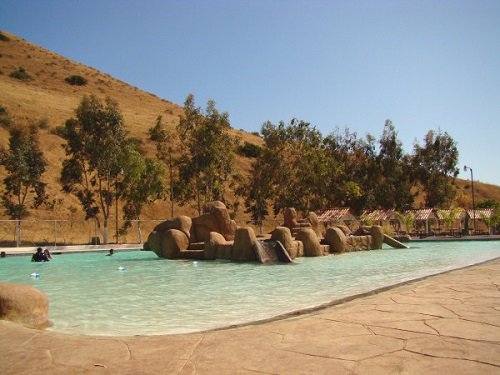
{"type": "Point", "coordinates": [2, 254]}
{"type": "Point", "coordinates": [111, 252]}
{"type": "Point", "coordinates": [47, 253]}
{"type": "Point", "coordinates": [39, 256]}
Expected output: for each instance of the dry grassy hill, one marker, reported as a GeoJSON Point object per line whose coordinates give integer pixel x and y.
{"type": "Point", "coordinates": [47, 99]}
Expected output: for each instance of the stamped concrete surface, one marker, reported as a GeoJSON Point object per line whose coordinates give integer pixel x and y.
{"type": "Point", "coordinates": [448, 323]}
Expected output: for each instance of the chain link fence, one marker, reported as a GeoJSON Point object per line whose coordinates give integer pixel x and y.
{"type": "Point", "coordinates": [20, 233]}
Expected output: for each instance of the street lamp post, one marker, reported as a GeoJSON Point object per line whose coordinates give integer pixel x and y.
{"type": "Point", "coordinates": [473, 200]}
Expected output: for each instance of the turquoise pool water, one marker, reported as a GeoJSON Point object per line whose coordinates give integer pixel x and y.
{"type": "Point", "coordinates": [90, 294]}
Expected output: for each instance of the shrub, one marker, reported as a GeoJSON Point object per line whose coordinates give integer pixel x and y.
{"type": "Point", "coordinates": [249, 150]}
{"type": "Point", "coordinates": [20, 74]}
{"type": "Point", "coordinates": [5, 120]}
{"type": "Point", "coordinates": [59, 131]}
{"type": "Point", "coordinates": [3, 37]}
{"type": "Point", "coordinates": [43, 123]}
{"type": "Point", "coordinates": [76, 80]}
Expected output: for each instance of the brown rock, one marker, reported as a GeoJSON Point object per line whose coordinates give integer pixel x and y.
{"type": "Point", "coordinates": [377, 237]}
{"type": "Point", "coordinates": [290, 216]}
{"type": "Point", "coordinates": [336, 238]}
{"type": "Point", "coordinates": [284, 235]}
{"type": "Point", "coordinates": [244, 245]}
{"type": "Point", "coordinates": [215, 219]}
{"type": "Point", "coordinates": [173, 241]}
{"type": "Point", "coordinates": [311, 243]}
{"type": "Point", "coordinates": [153, 242]}
{"type": "Point", "coordinates": [24, 304]}
{"type": "Point", "coordinates": [344, 228]}
{"type": "Point", "coordinates": [215, 239]}
{"type": "Point", "coordinates": [358, 243]}
{"type": "Point", "coordinates": [315, 224]}
{"type": "Point", "coordinates": [182, 223]}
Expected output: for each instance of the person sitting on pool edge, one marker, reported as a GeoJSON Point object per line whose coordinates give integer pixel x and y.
{"type": "Point", "coordinates": [111, 252]}
{"type": "Point", "coordinates": [39, 256]}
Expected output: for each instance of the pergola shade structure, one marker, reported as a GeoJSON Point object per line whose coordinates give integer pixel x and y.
{"type": "Point", "coordinates": [423, 217]}
{"type": "Point", "coordinates": [338, 215]}
{"type": "Point", "coordinates": [482, 217]}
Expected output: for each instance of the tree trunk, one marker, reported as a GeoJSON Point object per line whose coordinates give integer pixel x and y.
{"type": "Point", "coordinates": [105, 232]}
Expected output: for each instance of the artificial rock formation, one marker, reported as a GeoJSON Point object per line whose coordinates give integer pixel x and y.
{"type": "Point", "coordinates": [215, 218]}
{"type": "Point", "coordinates": [244, 245]}
{"type": "Point", "coordinates": [215, 241]}
{"type": "Point", "coordinates": [340, 243]}
{"type": "Point", "coordinates": [312, 246]}
{"type": "Point", "coordinates": [170, 238]}
{"type": "Point", "coordinates": [183, 237]}
{"type": "Point", "coordinates": [24, 304]}
{"type": "Point", "coordinates": [283, 235]}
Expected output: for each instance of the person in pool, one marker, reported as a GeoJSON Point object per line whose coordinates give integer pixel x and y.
{"type": "Point", "coordinates": [39, 256]}
{"type": "Point", "coordinates": [47, 253]}
{"type": "Point", "coordinates": [111, 252]}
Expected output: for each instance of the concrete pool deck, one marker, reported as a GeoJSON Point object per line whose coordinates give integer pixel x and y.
{"type": "Point", "coordinates": [448, 322]}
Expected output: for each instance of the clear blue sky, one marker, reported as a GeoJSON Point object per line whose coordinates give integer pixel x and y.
{"type": "Point", "coordinates": [423, 64]}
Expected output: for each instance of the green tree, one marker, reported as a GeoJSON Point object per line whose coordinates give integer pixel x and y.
{"type": "Point", "coordinates": [393, 188]}
{"type": "Point", "coordinates": [407, 220]}
{"type": "Point", "coordinates": [353, 169]}
{"type": "Point", "coordinates": [141, 184]}
{"type": "Point", "coordinates": [25, 164]}
{"type": "Point", "coordinates": [294, 164]}
{"type": "Point", "coordinates": [257, 191]}
{"type": "Point", "coordinates": [493, 221]}
{"type": "Point", "coordinates": [207, 154]}
{"type": "Point", "coordinates": [164, 142]}
{"type": "Point", "coordinates": [435, 165]}
{"type": "Point", "coordinates": [95, 140]}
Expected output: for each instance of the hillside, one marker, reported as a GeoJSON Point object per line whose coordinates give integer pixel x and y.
{"type": "Point", "coordinates": [49, 100]}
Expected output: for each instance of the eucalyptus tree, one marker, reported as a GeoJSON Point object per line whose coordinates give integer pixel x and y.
{"type": "Point", "coordinates": [95, 140]}
{"type": "Point", "coordinates": [25, 164]}
{"type": "Point", "coordinates": [395, 180]}
{"type": "Point", "coordinates": [257, 190]}
{"type": "Point", "coordinates": [435, 165]}
{"type": "Point", "coordinates": [353, 167]}
{"type": "Point", "coordinates": [164, 142]}
{"type": "Point", "coordinates": [141, 184]}
{"type": "Point", "coordinates": [297, 162]}
{"type": "Point", "coordinates": [206, 155]}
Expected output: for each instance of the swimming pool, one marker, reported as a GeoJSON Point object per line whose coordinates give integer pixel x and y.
{"type": "Point", "coordinates": [136, 293]}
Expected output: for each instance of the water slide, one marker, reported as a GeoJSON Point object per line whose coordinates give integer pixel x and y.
{"type": "Point", "coordinates": [270, 252]}
{"type": "Point", "coordinates": [394, 243]}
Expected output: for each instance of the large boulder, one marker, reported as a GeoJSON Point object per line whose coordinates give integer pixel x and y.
{"type": "Point", "coordinates": [215, 240]}
{"type": "Point", "coordinates": [153, 242]}
{"type": "Point", "coordinates": [283, 235]}
{"type": "Point", "coordinates": [377, 234]}
{"type": "Point", "coordinates": [172, 242]}
{"type": "Point", "coordinates": [312, 218]}
{"type": "Point", "coordinates": [344, 228]}
{"type": "Point", "coordinates": [244, 245]}
{"type": "Point", "coordinates": [336, 238]}
{"type": "Point", "coordinates": [164, 244]}
{"type": "Point", "coordinates": [358, 243]}
{"type": "Point", "coordinates": [182, 223]}
{"type": "Point", "coordinates": [24, 304]}
{"type": "Point", "coordinates": [214, 219]}
{"type": "Point", "coordinates": [290, 216]}
{"type": "Point", "coordinates": [312, 246]}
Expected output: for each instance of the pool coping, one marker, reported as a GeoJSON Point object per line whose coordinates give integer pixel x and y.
{"type": "Point", "coordinates": [443, 321]}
